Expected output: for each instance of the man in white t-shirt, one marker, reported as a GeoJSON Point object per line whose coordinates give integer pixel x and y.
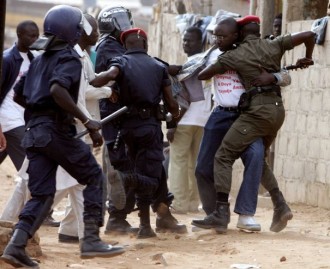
{"type": "Point", "coordinates": [16, 61]}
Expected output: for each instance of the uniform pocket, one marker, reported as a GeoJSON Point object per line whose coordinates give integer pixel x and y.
{"type": "Point", "coordinates": [36, 137]}
{"type": "Point", "coordinates": [242, 128]}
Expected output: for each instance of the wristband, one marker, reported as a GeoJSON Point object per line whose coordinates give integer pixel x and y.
{"type": "Point", "coordinates": [87, 121]}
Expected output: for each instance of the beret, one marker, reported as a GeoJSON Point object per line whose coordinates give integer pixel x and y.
{"type": "Point", "coordinates": [137, 31]}
{"type": "Point", "coordinates": [248, 19]}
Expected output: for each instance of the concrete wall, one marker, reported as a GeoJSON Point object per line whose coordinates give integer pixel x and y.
{"type": "Point", "coordinates": [302, 154]}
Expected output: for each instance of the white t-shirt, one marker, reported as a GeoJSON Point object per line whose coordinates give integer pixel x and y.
{"type": "Point", "coordinates": [227, 87]}
{"type": "Point", "coordinates": [11, 113]}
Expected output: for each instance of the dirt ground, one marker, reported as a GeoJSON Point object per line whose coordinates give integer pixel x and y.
{"type": "Point", "coordinates": [305, 243]}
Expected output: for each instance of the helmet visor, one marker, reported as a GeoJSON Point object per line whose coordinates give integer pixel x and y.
{"type": "Point", "coordinates": [122, 21]}
{"type": "Point", "coordinates": [86, 26]}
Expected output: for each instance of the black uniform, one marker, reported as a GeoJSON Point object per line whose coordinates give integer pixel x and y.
{"type": "Point", "coordinates": [140, 84]}
{"type": "Point", "coordinates": [49, 139]}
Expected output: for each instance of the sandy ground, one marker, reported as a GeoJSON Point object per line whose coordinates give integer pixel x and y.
{"type": "Point", "coordinates": [305, 243]}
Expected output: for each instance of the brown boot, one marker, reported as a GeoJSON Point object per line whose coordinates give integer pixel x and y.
{"type": "Point", "coordinates": [165, 222]}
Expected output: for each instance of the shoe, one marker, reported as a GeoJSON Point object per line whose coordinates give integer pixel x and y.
{"type": "Point", "coordinates": [119, 226]}
{"type": "Point", "coordinates": [14, 253]}
{"type": "Point", "coordinates": [248, 223]}
{"type": "Point", "coordinates": [92, 246]}
{"type": "Point", "coordinates": [49, 221]}
{"type": "Point", "coordinates": [145, 232]}
{"type": "Point", "coordinates": [282, 213]}
{"type": "Point", "coordinates": [165, 222]}
{"type": "Point", "coordinates": [218, 220]}
{"type": "Point", "coordinates": [63, 238]}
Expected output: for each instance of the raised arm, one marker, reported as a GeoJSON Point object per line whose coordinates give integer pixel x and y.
{"type": "Point", "coordinates": [308, 38]}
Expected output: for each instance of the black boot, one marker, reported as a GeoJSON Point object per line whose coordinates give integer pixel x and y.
{"type": "Point", "coordinates": [282, 212]}
{"type": "Point", "coordinates": [119, 225]}
{"type": "Point", "coordinates": [145, 230]}
{"type": "Point", "coordinates": [91, 245]}
{"type": "Point", "coordinates": [219, 219]}
{"type": "Point", "coordinates": [15, 254]}
{"type": "Point", "coordinates": [165, 222]}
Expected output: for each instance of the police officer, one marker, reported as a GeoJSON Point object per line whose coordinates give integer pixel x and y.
{"type": "Point", "coordinates": [112, 22]}
{"type": "Point", "coordinates": [143, 82]}
{"type": "Point", "coordinates": [50, 90]}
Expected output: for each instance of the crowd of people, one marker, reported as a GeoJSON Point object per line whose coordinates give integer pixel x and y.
{"type": "Point", "coordinates": [228, 108]}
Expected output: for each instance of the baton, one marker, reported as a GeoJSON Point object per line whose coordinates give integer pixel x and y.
{"type": "Point", "coordinates": [105, 120]}
{"type": "Point", "coordinates": [294, 67]}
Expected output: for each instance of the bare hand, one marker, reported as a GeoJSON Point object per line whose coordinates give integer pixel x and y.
{"type": "Point", "coordinates": [182, 112]}
{"type": "Point", "coordinates": [264, 78]}
{"type": "Point", "coordinates": [93, 126]}
{"type": "Point", "coordinates": [304, 62]}
{"type": "Point", "coordinates": [174, 69]}
{"type": "Point", "coordinates": [96, 138]}
{"type": "Point", "coordinates": [170, 134]}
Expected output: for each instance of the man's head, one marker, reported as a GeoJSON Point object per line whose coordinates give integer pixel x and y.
{"type": "Point", "coordinates": [225, 33]}
{"type": "Point", "coordinates": [134, 38]}
{"type": "Point", "coordinates": [89, 39]}
{"type": "Point", "coordinates": [114, 21]}
{"type": "Point", "coordinates": [192, 41]}
{"type": "Point", "coordinates": [27, 33]}
{"type": "Point", "coordinates": [249, 25]}
{"type": "Point", "coordinates": [277, 25]}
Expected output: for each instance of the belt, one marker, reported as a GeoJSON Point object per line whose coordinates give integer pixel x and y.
{"type": "Point", "coordinates": [263, 89]}
{"type": "Point", "coordinates": [229, 109]}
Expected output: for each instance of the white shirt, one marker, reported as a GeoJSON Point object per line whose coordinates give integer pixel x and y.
{"type": "Point", "coordinates": [227, 87]}
{"type": "Point", "coordinates": [11, 113]}
{"type": "Point", "coordinates": [88, 95]}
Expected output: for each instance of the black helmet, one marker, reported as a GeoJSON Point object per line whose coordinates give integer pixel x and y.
{"type": "Point", "coordinates": [114, 18]}
{"type": "Point", "coordinates": [64, 22]}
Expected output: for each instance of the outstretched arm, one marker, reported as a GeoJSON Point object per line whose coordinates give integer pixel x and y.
{"type": "Point", "coordinates": [209, 71]}
{"type": "Point", "coordinates": [104, 77]}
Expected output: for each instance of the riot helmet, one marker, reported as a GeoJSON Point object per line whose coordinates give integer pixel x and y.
{"type": "Point", "coordinates": [65, 22]}
{"type": "Point", "coordinates": [112, 19]}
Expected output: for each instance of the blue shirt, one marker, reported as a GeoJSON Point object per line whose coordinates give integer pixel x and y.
{"type": "Point", "coordinates": [141, 79]}
{"type": "Point", "coordinates": [62, 67]}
